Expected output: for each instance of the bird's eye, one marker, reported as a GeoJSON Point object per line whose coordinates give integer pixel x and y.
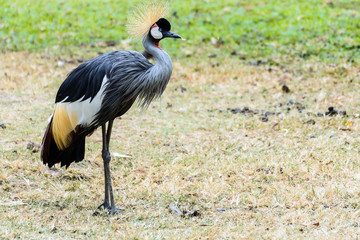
{"type": "Point", "coordinates": [155, 33]}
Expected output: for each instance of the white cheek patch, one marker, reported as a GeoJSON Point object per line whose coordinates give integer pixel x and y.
{"type": "Point", "coordinates": [155, 33]}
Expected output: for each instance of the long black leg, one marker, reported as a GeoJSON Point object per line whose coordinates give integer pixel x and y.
{"type": "Point", "coordinates": [107, 158]}
{"type": "Point", "coordinates": [108, 135]}
{"type": "Point", "coordinates": [106, 203]}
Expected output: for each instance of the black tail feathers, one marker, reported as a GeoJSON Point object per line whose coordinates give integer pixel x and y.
{"type": "Point", "coordinates": [51, 154]}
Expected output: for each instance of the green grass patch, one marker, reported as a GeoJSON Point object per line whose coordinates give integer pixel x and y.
{"type": "Point", "coordinates": [252, 29]}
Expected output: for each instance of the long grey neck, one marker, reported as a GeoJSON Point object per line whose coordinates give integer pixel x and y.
{"type": "Point", "coordinates": [156, 78]}
{"type": "Point", "coordinates": [163, 60]}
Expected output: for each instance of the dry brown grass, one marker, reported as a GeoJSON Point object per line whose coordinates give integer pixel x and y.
{"type": "Point", "coordinates": [247, 178]}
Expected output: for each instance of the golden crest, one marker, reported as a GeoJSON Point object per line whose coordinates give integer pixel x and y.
{"type": "Point", "coordinates": [141, 20]}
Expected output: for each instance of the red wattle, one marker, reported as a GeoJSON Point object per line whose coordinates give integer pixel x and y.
{"type": "Point", "coordinates": [157, 45]}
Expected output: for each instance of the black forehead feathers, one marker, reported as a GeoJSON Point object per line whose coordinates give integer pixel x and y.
{"type": "Point", "coordinates": [163, 24]}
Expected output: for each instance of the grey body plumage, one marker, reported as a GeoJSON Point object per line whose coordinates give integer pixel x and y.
{"type": "Point", "coordinates": [132, 77]}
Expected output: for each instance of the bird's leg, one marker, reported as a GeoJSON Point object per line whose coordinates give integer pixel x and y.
{"type": "Point", "coordinates": [105, 204]}
{"type": "Point", "coordinates": [107, 167]}
{"type": "Point", "coordinates": [109, 202]}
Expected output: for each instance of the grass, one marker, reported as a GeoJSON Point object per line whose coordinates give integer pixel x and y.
{"type": "Point", "coordinates": [247, 178]}
{"type": "Point", "coordinates": [275, 171]}
{"type": "Point", "coordinates": [254, 29]}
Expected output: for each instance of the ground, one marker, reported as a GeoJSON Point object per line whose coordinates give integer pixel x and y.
{"type": "Point", "coordinates": [239, 146]}
{"type": "Point", "coordinates": [268, 170]}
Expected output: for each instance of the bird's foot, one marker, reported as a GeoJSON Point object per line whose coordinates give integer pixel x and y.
{"type": "Point", "coordinates": [112, 210]}
{"type": "Point", "coordinates": [105, 205]}
{"type": "Point", "coordinates": [115, 210]}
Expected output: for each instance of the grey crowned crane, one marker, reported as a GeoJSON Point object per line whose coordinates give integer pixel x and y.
{"type": "Point", "coordinates": [104, 88]}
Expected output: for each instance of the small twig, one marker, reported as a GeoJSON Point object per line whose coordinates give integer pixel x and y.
{"type": "Point", "coordinates": [15, 203]}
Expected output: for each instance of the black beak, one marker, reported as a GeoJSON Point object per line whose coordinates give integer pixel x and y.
{"type": "Point", "coordinates": [169, 34]}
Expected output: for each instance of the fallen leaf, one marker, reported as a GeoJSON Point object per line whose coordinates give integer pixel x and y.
{"type": "Point", "coordinates": [194, 213]}
{"type": "Point", "coordinates": [115, 154]}
{"type": "Point", "coordinates": [174, 208]}
{"type": "Point", "coordinates": [285, 88]}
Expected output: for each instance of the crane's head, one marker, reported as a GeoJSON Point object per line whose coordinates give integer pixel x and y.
{"type": "Point", "coordinates": [148, 21]}
{"type": "Point", "coordinates": [160, 30]}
